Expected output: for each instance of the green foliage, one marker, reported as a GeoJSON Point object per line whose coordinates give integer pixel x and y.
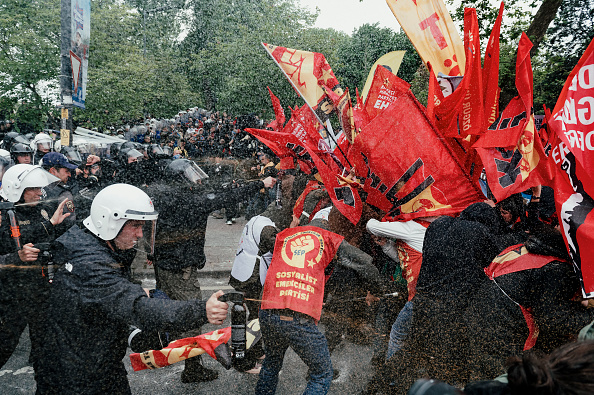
{"type": "Point", "coordinates": [29, 54]}
{"type": "Point", "coordinates": [219, 62]}
{"type": "Point", "coordinates": [228, 64]}
{"type": "Point", "coordinates": [516, 17]}
{"type": "Point", "coordinates": [124, 83]}
{"type": "Point", "coordinates": [367, 45]}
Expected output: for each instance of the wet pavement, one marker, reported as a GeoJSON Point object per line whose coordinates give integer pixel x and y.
{"type": "Point", "coordinates": [352, 360]}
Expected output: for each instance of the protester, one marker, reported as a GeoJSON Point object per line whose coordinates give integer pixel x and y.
{"type": "Point", "coordinates": [57, 164]}
{"type": "Point", "coordinates": [292, 301]}
{"type": "Point", "coordinates": [185, 206]}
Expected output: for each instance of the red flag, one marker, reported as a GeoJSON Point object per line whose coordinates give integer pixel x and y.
{"type": "Point", "coordinates": [491, 73]}
{"type": "Point", "coordinates": [285, 145]}
{"type": "Point", "coordinates": [308, 72]}
{"type": "Point", "coordinates": [573, 155]}
{"type": "Point", "coordinates": [511, 150]}
{"type": "Point", "coordinates": [180, 350]}
{"type": "Point", "coordinates": [344, 196]}
{"type": "Point", "coordinates": [402, 157]}
{"type": "Point", "coordinates": [385, 89]}
{"type": "Point", "coordinates": [461, 113]}
{"type": "Point", "coordinates": [435, 95]}
{"type": "Point", "coordinates": [279, 113]}
{"type": "Point", "coordinates": [360, 116]}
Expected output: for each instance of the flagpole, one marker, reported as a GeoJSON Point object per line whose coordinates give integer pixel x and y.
{"type": "Point", "coordinates": [308, 105]}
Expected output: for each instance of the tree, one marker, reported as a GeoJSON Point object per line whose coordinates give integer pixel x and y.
{"type": "Point", "coordinates": [124, 83]}
{"type": "Point", "coordinates": [228, 64]}
{"type": "Point", "coordinates": [367, 45]}
{"type": "Point", "coordinates": [29, 55]}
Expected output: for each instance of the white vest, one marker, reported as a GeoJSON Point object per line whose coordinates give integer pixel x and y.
{"type": "Point", "coordinates": [247, 251]}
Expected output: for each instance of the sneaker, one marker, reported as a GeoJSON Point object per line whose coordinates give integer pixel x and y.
{"type": "Point", "coordinates": [233, 219]}
{"type": "Point", "coordinates": [229, 222]}
{"type": "Point", "coordinates": [199, 375]}
{"type": "Point", "coordinates": [256, 369]}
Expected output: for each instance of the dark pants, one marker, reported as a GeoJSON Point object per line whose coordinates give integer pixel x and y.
{"type": "Point", "coordinates": [282, 329]}
{"type": "Point", "coordinates": [181, 284]}
{"type": "Point", "coordinates": [27, 306]}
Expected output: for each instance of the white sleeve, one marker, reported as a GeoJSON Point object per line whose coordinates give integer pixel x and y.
{"type": "Point", "coordinates": [410, 232]}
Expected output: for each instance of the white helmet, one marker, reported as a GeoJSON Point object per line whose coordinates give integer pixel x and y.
{"type": "Point", "coordinates": [42, 139]}
{"type": "Point", "coordinates": [21, 176]}
{"type": "Point", "coordinates": [5, 154]}
{"type": "Point", "coordinates": [116, 204]}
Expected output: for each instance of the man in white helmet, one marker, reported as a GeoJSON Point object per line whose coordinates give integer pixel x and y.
{"type": "Point", "coordinates": [93, 301]}
{"type": "Point", "coordinates": [24, 278]}
{"type": "Point", "coordinates": [42, 144]}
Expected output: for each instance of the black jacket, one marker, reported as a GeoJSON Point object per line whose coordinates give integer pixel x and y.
{"type": "Point", "coordinates": [183, 216]}
{"type": "Point", "coordinates": [54, 195]}
{"type": "Point", "coordinates": [497, 327]}
{"type": "Point", "coordinates": [17, 277]}
{"type": "Point", "coordinates": [92, 304]}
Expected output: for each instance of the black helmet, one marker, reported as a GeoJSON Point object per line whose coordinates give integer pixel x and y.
{"type": "Point", "coordinates": [155, 151]}
{"type": "Point", "coordinates": [12, 138]}
{"type": "Point", "coordinates": [20, 149]}
{"type": "Point", "coordinates": [72, 153]}
{"type": "Point", "coordinates": [186, 171]}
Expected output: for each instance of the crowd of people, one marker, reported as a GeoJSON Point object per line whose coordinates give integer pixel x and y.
{"type": "Point", "coordinates": [449, 298]}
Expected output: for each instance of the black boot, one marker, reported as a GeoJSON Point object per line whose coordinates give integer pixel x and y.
{"type": "Point", "coordinates": [195, 372]}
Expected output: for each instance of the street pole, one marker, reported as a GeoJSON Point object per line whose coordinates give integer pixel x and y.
{"type": "Point", "coordinates": [66, 74]}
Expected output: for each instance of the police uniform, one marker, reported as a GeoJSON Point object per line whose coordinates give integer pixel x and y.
{"type": "Point", "coordinates": [24, 286]}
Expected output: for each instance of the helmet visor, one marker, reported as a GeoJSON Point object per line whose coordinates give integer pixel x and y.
{"type": "Point", "coordinates": [72, 154]}
{"type": "Point", "coordinates": [157, 150]}
{"type": "Point", "coordinates": [149, 233]}
{"type": "Point", "coordinates": [194, 173]}
{"type": "Point", "coordinates": [44, 146]}
{"type": "Point", "coordinates": [134, 155]}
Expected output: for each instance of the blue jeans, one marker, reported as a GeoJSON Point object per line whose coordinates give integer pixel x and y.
{"type": "Point", "coordinates": [400, 329]}
{"type": "Point", "coordinates": [279, 332]}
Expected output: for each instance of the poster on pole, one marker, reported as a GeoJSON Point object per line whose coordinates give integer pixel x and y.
{"type": "Point", "coordinates": [80, 37]}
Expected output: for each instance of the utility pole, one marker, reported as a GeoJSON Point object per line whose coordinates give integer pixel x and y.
{"type": "Point", "coordinates": [66, 74]}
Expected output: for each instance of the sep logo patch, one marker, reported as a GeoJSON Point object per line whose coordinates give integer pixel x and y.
{"type": "Point", "coordinates": [303, 247]}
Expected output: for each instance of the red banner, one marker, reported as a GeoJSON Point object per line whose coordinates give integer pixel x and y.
{"type": "Point", "coordinates": [385, 89]}
{"type": "Point", "coordinates": [406, 165]}
{"type": "Point", "coordinates": [285, 145]}
{"type": "Point", "coordinates": [573, 155]}
{"type": "Point", "coordinates": [279, 113]}
{"type": "Point", "coordinates": [461, 113]}
{"type": "Point", "coordinates": [511, 150]}
{"type": "Point", "coordinates": [308, 72]}
{"type": "Point", "coordinates": [180, 350]}
{"type": "Point", "coordinates": [491, 73]}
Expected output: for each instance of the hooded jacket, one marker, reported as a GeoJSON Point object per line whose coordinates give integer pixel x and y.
{"type": "Point", "coordinates": [92, 305]}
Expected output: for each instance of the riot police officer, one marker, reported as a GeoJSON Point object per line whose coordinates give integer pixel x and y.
{"type": "Point", "coordinates": [24, 280]}
{"type": "Point", "coordinates": [58, 165]}
{"type": "Point", "coordinates": [184, 207]}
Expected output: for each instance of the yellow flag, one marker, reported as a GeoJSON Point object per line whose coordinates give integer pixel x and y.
{"type": "Point", "coordinates": [390, 61]}
{"type": "Point", "coordinates": [430, 29]}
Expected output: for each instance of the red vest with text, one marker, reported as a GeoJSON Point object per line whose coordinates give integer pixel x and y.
{"type": "Point", "coordinates": [515, 259]}
{"type": "Point", "coordinates": [295, 278]}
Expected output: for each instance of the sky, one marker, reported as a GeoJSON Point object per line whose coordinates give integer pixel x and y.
{"type": "Point", "coordinates": [346, 15]}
